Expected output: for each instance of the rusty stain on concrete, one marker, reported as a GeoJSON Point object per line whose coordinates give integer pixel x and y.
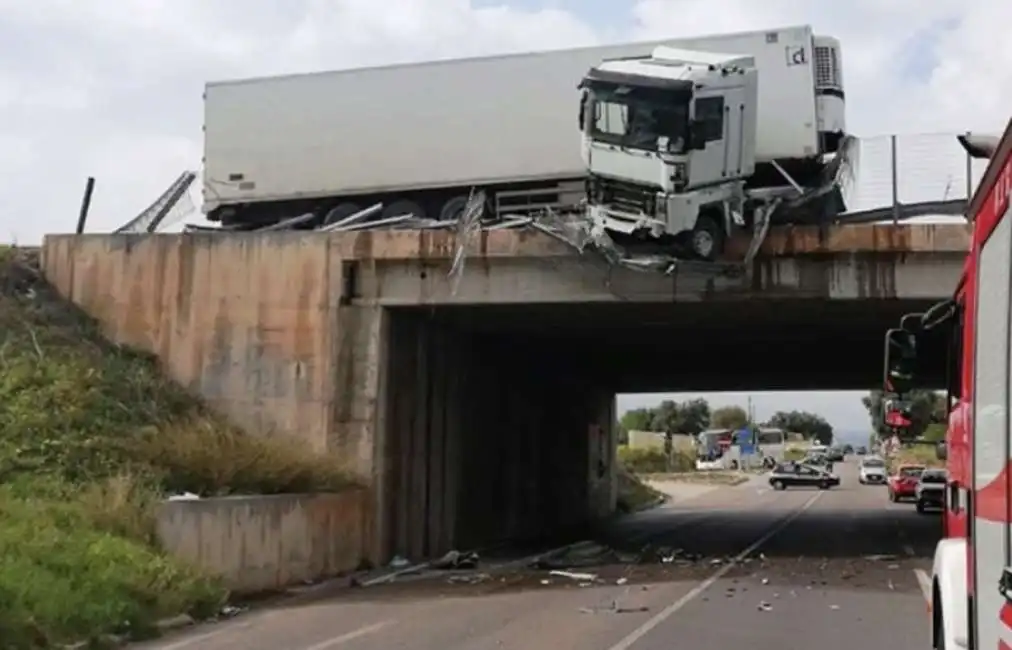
{"type": "Point", "coordinates": [787, 241]}
{"type": "Point", "coordinates": [265, 543]}
{"type": "Point", "coordinates": [393, 245]}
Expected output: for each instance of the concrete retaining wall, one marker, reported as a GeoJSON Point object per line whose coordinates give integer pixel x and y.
{"type": "Point", "coordinates": [263, 543]}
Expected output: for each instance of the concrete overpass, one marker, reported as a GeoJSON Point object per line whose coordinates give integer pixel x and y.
{"type": "Point", "coordinates": [487, 412]}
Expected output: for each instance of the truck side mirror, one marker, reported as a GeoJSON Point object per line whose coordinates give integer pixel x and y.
{"type": "Point", "coordinates": [584, 97]}
{"type": "Point", "coordinates": [941, 451]}
{"type": "Point", "coordinates": [697, 136]}
{"type": "Point", "coordinates": [900, 361]}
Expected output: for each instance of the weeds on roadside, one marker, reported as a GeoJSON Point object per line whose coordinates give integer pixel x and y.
{"type": "Point", "coordinates": [92, 436]}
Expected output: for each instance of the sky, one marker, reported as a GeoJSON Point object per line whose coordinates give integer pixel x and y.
{"type": "Point", "coordinates": [114, 89]}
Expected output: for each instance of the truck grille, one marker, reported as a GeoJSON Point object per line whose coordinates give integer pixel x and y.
{"type": "Point", "coordinates": [827, 68]}
{"type": "Point", "coordinates": [627, 197]}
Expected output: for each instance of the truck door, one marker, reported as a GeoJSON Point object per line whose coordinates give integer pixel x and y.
{"type": "Point", "coordinates": [709, 165]}
{"type": "Point", "coordinates": [991, 437]}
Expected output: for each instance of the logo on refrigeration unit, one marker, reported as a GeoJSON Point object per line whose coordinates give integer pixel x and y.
{"type": "Point", "coordinates": [796, 55]}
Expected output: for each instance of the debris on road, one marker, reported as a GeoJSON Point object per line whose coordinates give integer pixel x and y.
{"type": "Point", "coordinates": [582, 577]}
{"type": "Point", "coordinates": [765, 607]}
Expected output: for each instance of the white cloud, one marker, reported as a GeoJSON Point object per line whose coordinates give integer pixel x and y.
{"type": "Point", "coordinates": [113, 90]}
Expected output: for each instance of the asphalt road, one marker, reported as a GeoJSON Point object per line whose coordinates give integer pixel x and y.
{"type": "Point", "coordinates": [729, 566]}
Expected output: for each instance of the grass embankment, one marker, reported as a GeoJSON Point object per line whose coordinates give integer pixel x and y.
{"type": "Point", "coordinates": [639, 465]}
{"type": "Point", "coordinates": [916, 455]}
{"type": "Point", "coordinates": [91, 438]}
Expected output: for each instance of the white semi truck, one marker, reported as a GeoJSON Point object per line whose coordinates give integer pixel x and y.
{"type": "Point", "coordinates": [686, 143]}
{"type": "Point", "coordinates": [419, 137]}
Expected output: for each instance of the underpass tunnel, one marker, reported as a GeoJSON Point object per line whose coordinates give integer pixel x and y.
{"type": "Point", "coordinates": [498, 424]}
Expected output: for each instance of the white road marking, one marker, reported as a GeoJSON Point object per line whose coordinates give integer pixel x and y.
{"type": "Point", "coordinates": [189, 641]}
{"type": "Point", "coordinates": [350, 636]}
{"type": "Point", "coordinates": [673, 608]}
{"type": "Point", "coordinates": [924, 580]}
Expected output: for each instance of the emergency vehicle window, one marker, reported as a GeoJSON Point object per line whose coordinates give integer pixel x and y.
{"type": "Point", "coordinates": [954, 371]}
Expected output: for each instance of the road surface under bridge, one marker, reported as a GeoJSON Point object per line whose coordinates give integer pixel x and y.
{"type": "Point", "coordinates": [482, 409]}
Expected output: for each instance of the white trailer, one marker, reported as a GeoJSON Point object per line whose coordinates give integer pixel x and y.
{"type": "Point", "coordinates": [418, 137]}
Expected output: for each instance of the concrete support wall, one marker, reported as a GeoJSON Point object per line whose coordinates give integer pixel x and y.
{"type": "Point", "coordinates": [484, 444]}
{"type": "Point", "coordinates": [248, 322]}
{"type": "Point", "coordinates": [265, 543]}
{"type": "Point", "coordinates": [463, 440]}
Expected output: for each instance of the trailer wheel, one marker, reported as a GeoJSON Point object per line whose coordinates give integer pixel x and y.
{"type": "Point", "coordinates": [341, 211]}
{"type": "Point", "coordinates": [401, 208]}
{"type": "Point", "coordinates": [707, 237]}
{"type": "Point", "coordinates": [453, 209]}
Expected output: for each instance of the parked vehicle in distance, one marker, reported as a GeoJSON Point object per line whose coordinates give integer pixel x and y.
{"type": "Point", "coordinates": [931, 490]}
{"type": "Point", "coordinates": [788, 475]}
{"type": "Point", "coordinates": [835, 454]}
{"type": "Point", "coordinates": [903, 484]}
{"type": "Point", "coordinates": [861, 451]}
{"type": "Point", "coordinates": [872, 470]}
{"type": "Point", "coordinates": [818, 460]}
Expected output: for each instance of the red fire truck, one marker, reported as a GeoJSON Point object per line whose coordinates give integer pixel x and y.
{"type": "Point", "coordinates": [971, 600]}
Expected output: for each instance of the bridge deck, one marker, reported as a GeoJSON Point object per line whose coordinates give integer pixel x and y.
{"type": "Point", "coordinates": [785, 241]}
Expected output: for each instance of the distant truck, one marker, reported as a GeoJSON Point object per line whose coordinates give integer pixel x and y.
{"type": "Point", "coordinates": [419, 137]}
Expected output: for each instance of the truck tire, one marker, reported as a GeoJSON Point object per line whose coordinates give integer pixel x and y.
{"type": "Point", "coordinates": [453, 209]}
{"type": "Point", "coordinates": [779, 485]}
{"type": "Point", "coordinates": [401, 208]}
{"type": "Point", "coordinates": [824, 485]}
{"type": "Point", "coordinates": [341, 211]}
{"type": "Point", "coordinates": [920, 508]}
{"type": "Point", "coordinates": [707, 238]}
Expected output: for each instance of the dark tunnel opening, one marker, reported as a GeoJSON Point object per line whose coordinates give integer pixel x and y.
{"type": "Point", "coordinates": [499, 421]}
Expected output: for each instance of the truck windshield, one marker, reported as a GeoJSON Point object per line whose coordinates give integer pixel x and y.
{"type": "Point", "coordinates": [638, 118]}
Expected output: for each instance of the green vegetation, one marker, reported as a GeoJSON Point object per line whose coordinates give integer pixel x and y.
{"type": "Point", "coordinates": [916, 455]}
{"type": "Point", "coordinates": [927, 407]}
{"type": "Point", "coordinates": [91, 436]}
{"type": "Point", "coordinates": [694, 416]}
{"type": "Point", "coordinates": [633, 493]}
{"type": "Point", "coordinates": [655, 461]}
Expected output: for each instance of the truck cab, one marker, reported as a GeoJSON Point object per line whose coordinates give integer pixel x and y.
{"type": "Point", "coordinates": [684, 144]}
{"type": "Point", "coordinates": [666, 136]}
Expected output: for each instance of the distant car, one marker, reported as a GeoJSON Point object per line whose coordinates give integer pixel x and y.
{"type": "Point", "coordinates": [872, 471]}
{"type": "Point", "coordinates": [788, 475]}
{"type": "Point", "coordinates": [931, 490]}
{"type": "Point", "coordinates": [861, 451]}
{"type": "Point", "coordinates": [819, 460]}
{"type": "Point", "coordinates": [903, 484]}
{"type": "Point", "coordinates": [835, 455]}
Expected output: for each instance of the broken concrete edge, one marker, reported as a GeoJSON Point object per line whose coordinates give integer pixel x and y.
{"type": "Point", "coordinates": [781, 241]}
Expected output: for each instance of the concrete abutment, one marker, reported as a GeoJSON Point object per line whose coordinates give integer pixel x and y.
{"type": "Point", "coordinates": [462, 439]}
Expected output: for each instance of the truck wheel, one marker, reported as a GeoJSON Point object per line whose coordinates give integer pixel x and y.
{"type": "Point", "coordinates": [453, 209]}
{"type": "Point", "coordinates": [341, 211]}
{"type": "Point", "coordinates": [707, 237]}
{"type": "Point", "coordinates": [824, 485]}
{"type": "Point", "coordinates": [920, 508]}
{"type": "Point", "coordinates": [401, 208]}
{"type": "Point", "coordinates": [779, 485]}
